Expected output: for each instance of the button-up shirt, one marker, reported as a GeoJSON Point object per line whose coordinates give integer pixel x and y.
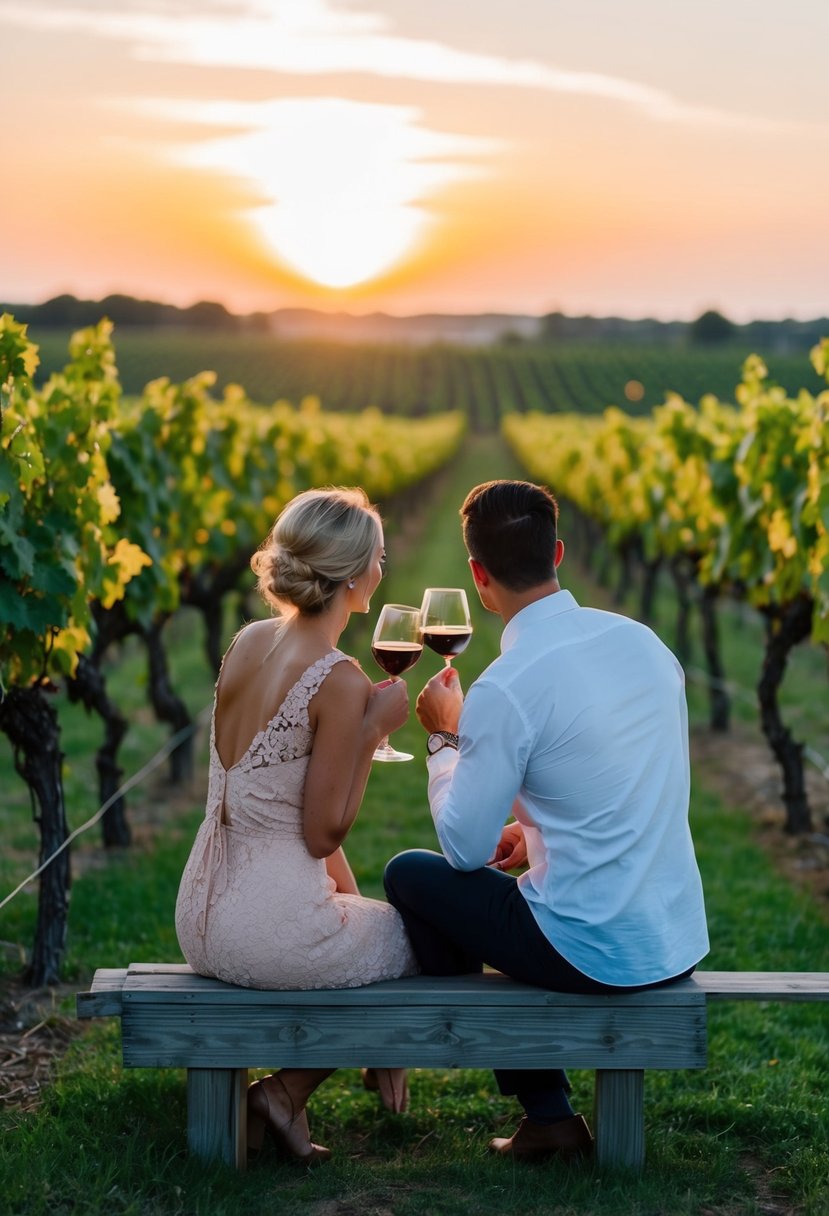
{"type": "Point", "coordinates": [582, 718]}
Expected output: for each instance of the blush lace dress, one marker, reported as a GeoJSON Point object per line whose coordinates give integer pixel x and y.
{"type": "Point", "coordinates": [254, 907]}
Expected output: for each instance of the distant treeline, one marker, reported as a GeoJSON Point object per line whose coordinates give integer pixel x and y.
{"type": "Point", "coordinates": [66, 313]}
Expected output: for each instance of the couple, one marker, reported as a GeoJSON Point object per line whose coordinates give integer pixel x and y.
{"type": "Point", "coordinates": [577, 734]}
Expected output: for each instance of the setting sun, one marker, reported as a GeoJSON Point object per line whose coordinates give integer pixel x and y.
{"type": "Point", "coordinates": [336, 245]}
{"type": "Point", "coordinates": [342, 186]}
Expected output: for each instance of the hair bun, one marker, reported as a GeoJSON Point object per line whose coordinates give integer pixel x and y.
{"type": "Point", "coordinates": [295, 581]}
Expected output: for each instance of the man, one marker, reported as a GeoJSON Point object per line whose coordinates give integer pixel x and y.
{"type": "Point", "coordinates": [579, 729]}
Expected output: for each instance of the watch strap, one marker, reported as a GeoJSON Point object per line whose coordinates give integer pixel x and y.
{"type": "Point", "coordinates": [450, 739]}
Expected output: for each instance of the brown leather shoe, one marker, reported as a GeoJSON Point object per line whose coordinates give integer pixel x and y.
{"type": "Point", "coordinates": [534, 1141]}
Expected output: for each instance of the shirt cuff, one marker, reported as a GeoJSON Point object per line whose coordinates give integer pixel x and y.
{"type": "Point", "coordinates": [442, 761]}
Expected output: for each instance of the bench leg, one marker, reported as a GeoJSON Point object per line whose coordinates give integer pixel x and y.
{"type": "Point", "coordinates": [217, 1114]}
{"type": "Point", "coordinates": [619, 1117]}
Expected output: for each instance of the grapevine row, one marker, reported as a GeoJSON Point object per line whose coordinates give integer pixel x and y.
{"type": "Point", "coordinates": [484, 382]}
{"type": "Point", "coordinates": [733, 499]}
{"type": "Point", "coordinates": [114, 512]}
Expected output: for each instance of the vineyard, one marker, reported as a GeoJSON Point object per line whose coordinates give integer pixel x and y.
{"type": "Point", "coordinates": [120, 509]}
{"type": "Point", "coordinates": [484, 383]}
{"type": "Point", "coordinates": [126, 526]}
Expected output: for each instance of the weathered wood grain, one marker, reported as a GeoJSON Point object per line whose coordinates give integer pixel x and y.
{"type": "Point", "coordinates": [166, 1035]}
{"type": "Point", "coordinates": [495, 989]}
{"type": "Point", "coordinates": [425, 990]}
{"type": "Point", "coordinates": [104, 997]}
{"type": "Point", "coordinates": [763, 985]}
{"type": "Point", "coordinates": [619, 1117]}
{"type": "Point", "coordinates": [217, 1114]}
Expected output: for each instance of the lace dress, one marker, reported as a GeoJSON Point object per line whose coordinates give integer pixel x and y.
{"type": "Point", "coordinates": [254, 907]}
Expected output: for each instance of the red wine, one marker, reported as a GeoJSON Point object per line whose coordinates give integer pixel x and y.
{"type": "Point", "coordinates": [447, 639]}
{"type": "Point", "coordinates": [397, 657]}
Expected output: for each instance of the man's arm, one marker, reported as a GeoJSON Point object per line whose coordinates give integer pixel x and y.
{"type": "Point", "coordinates": [471, 791]}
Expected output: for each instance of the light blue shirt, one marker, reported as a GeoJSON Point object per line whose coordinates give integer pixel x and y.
{"type": "Point", "coordinates": [583, 716]}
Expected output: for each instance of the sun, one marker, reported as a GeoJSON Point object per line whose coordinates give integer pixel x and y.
{"type": "Point", "coordinates": [344, 187]}
{"type": "Point", "coordinates": [345, 177]}
{"type": "Point", "coordinates": [337, 244]}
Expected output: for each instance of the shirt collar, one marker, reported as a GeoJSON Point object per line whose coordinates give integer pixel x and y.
{"type": "Point", "coordinates": [539, 610]}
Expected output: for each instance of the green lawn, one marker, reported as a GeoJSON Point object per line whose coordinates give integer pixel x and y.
{"type": "Point", "coordinates": [747, 1135]}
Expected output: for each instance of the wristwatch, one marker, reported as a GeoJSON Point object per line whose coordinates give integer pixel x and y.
{"type": "Point", "coordinates": [440, 739]}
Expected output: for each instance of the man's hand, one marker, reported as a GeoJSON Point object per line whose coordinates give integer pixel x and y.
{"type": "Point", "coordinates": [511, 850]}
{"type": "Point", "coordinates": [439, 705]}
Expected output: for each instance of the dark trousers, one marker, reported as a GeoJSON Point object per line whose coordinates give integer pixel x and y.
{"type": "Point", "coordinates": [459, 920]}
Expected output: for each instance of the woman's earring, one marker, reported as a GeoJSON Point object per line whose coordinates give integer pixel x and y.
{"type": "Point", "coordinates": [351, 584]}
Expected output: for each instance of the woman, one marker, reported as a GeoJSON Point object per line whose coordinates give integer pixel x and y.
{"type": "Point", "coordinates": [267, 899]}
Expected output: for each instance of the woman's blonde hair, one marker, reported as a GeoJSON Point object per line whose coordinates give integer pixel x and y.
{"type": "Point", "coordinates": [321, 539]}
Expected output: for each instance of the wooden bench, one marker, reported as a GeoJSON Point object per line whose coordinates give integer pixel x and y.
{"type": "Point", "coordinates": [173, 1018]}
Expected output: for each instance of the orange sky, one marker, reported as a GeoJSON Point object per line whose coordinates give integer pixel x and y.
{"type": "Point", "coordinates": [644, 158]}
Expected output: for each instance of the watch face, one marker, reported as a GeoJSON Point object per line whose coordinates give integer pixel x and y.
{"type": "Point", "coordinates": [434, 743]}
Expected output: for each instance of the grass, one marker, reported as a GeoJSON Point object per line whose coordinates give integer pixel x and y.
{"type": "Point", "coordinates": [747, 1135]}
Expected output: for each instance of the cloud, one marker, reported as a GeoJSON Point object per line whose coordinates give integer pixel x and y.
{"type": "Point", "coordinates": [316, 37]}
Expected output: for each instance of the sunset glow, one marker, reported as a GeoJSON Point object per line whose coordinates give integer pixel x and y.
{"type": "Point", "coordinates": [342, 183]}
{"type": "Point", "coordinates": [376, 154]}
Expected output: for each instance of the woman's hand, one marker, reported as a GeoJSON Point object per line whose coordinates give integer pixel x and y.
{"type": "Point", "coordinates": [341, 873]}
{"type": "Point", "coordinates": [388, 707]}
{"type": "Point", "coordinates": [511, 850]}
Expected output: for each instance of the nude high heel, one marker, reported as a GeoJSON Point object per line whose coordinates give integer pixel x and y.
{"type": "Point", "coordinates": [392, 1084]}
{"type": "Point", "coordinates": [290, 1134]}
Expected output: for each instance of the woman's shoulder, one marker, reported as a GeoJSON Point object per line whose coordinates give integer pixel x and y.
{"type": "Point", "coordinates": [343, 691]}
{"type": "Point", "coordinates": [343, 680]}
{"type": "Point", "coordinates": [342, 670]}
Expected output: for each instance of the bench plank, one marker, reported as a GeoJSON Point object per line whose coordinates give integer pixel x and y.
{"type": "Point", "coordinates": [763, 985]}
{"type": "Point", "coordinates": [180, 984]}
{"type": "Point", "coordinates": [583, 1035]}
{"type": "Point", "coordinates": [715, 985]}
{"type": "Point", "coordinates": [104, 996]}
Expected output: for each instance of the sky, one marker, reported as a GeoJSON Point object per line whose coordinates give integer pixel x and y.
{"type": "Point", "coordinates": [615, 157]}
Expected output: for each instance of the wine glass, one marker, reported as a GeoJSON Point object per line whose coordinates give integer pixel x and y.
{"type": "Point", "coordinates": [396, 646]}
{"type": "Point", "coordinates": [445, 622]}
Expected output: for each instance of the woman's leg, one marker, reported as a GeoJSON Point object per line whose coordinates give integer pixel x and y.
{"type": "Point", "coordinates": [278, 1103]}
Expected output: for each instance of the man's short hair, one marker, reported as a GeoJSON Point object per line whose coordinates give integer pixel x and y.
{"type": "Point", "coordinates": [510, 528]}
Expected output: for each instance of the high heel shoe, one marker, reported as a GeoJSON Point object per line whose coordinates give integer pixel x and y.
{"type": "Point", "coordinates": [392, 1084]}
{"type": "Point", "coordinates": [290, 1134]}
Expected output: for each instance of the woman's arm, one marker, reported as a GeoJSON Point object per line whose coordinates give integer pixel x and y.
{"type": "Point", "coordinates": [339, 869]}
{"type": "Point", "coordinates": [350, 717]}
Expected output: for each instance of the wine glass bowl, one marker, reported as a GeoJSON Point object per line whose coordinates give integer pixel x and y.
{"type": "Point", "coordinates": [396, 645]}
{"type": "Point", "coordinates": [445, 622]}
